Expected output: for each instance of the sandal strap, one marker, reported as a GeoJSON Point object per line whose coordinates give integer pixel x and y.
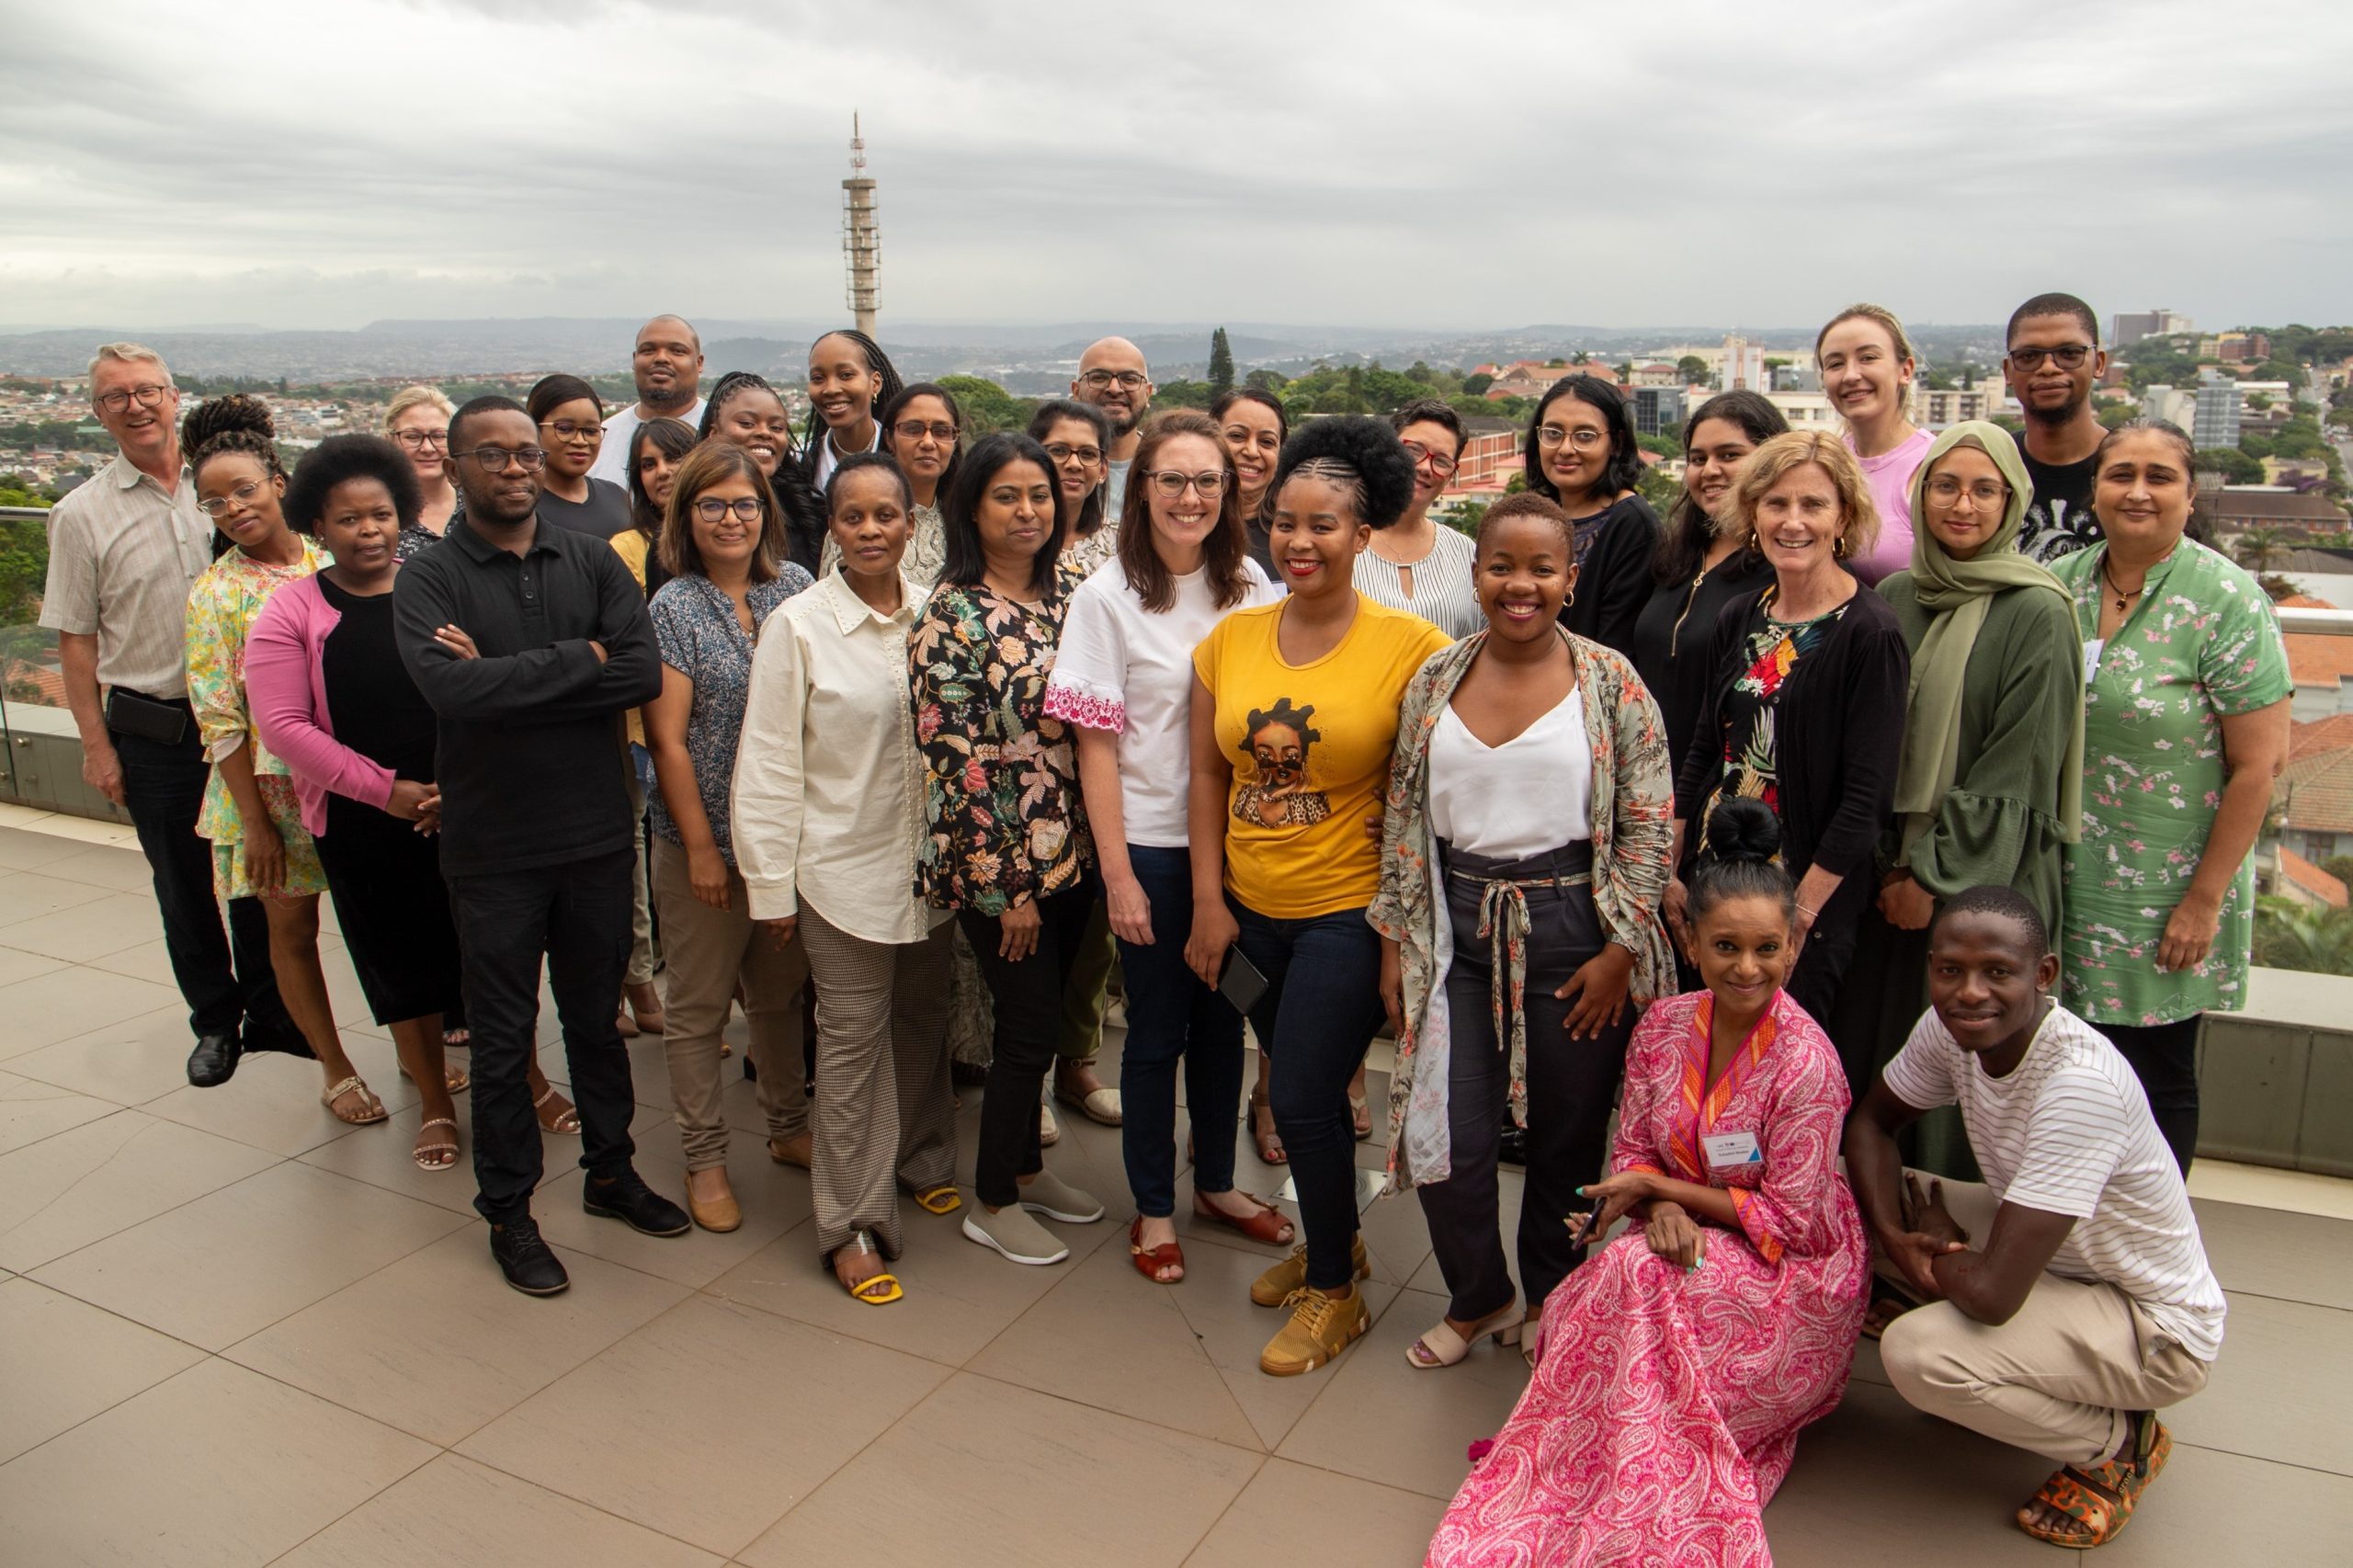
{"type": "Point", "coordinates": [435, 1122]}
{"type": "Point", "coordinates": [544, 1098]}
{"type": "Point", "coordinates": [339, 1090]}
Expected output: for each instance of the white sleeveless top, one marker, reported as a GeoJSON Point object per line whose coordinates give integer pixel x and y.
{"type": "Point", "coordinates": [1532, 793]}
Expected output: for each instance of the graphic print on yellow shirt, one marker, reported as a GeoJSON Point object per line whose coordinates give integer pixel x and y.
{"type": "Point", "coordinates": [1276, 742]}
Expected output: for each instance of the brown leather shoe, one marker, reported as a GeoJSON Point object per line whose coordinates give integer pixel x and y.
{"type": "Point", "coordinates": [717, 1212]}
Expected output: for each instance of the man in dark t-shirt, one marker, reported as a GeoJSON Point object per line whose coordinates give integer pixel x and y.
{"type": "Point", "coordinates": [2053, 360]}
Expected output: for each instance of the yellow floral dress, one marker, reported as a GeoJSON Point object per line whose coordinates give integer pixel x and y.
{"type": "Point", "coordinates": [221, 607]}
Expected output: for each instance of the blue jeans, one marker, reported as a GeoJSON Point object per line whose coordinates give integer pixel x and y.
{"type": "Point", "coordinates": [1172, 1013]}
{"type": "Point", "coordinates": [1322, 1006]}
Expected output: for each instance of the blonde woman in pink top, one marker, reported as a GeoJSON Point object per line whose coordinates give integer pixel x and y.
{"type": "Point", "coordinates": [1866, 366]}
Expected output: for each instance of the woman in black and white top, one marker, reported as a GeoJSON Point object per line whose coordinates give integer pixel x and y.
{"type": "Point", "coordinates": [1422, 566]}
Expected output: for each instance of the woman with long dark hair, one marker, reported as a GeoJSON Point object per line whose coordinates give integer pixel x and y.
{"type": "Point", "coordinates": [656, 449]}
{"type": "Point", "coordinates": [1077, 437]}
{"type": "Point", "coordinates": [1582, 455]}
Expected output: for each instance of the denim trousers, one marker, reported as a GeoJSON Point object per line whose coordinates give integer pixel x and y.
{"type": "Point", "coordinates": [1025, 1000]}
{"type": "Point", "coordinates": [1322, 1006]}
{"type": "Point", "coordinates": [1171, 1014]}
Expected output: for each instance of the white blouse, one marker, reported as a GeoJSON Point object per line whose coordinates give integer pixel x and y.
{"type": "Point", "coordinates": [1532, 793]}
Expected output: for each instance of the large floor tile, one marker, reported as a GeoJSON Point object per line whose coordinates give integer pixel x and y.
{"type": "Point", "coordinates": [67, 1360]}
{"type": "Point", "coordinates": [1385, 1420]}
{"type": "Point", "coordinates": [236, 1261]}
{"type": "Point", "coordinates": [455, 1511]}
{"type": "Point", "coordinates": [2270, 1252]}
{"type": "Point", "coordinates": [273, 1102]}
{"type": "Point", "coordinates": [107, 1175]}
{"type": "Point", "coordinates": [22, 851]}
{"type": "Point", "coordinates": [1292, 1512]}
{"type": "Point", "coordinates": [172, 1476]}
{"type": "Point", "coordinates": [2209, 1509]}
{"type": "Point", "coordinates": [386, 1161]}
{"type": "Point", "coordinates": [122, 869]}
{"type": "Point", "coordinates": [710, 1422]}
{"type": "Point", "coordinates": [29, 899]}
{"type": "Point", "coordinates": [128, 1061]}
{"type": "Point", "coordinates": [2271, 1397]}
{"type": "Point", "coordinates": [31, 1110]}
{"type": "Point", "coordinates": [984, 1473]}
{"type": "Point", "coordinates": [107, 923]}
{"type": "Point", "coordinates": [16, 964]}
{"type": "Point", "coordinates": [71, 1001]}
{"type": "Point", "coordinates": [149, 960]}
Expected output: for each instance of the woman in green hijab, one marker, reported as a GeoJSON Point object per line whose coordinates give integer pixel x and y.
{"type": "Point", "coordinates": [1988, 787]}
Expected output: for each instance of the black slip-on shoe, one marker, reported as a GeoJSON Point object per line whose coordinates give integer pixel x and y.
{"type": "Point", "coordinates": [214, 1060]}
{"type": "Point", "coordinates": [529, 1265]}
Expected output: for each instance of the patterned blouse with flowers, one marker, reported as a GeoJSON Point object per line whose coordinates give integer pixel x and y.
{"type": "Point", "coordinates": [1081, 555]}
{"type": "Point", "coordinates": [2201, 645]}
{"type": "Point", "coordinates": [1752, 754]}
{"type": "Point", "coordinates": [221, 607]}
{"type": "Point", "coordinates": [1001, 799]}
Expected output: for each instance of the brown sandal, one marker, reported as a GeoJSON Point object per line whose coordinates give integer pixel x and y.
{"type": "Point", "coordinates": [1266, 1223]}
{"type": "Point", "coordinates": [1151, 1261]}
{"type": "Point", "coordinates": [1262, 1128]}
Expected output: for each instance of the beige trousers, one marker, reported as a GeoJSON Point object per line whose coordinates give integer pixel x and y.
{"type": "Point", "coordinates": [709, 949]}
{"type": "Point", "coordinates": [641, 910]}
{"type": "Point", "coordinates": [2060, 1378]}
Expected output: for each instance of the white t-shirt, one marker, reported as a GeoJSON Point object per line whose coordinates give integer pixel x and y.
{"type": "Point", "coordinates": [826, 460]}
{"type": "Point", "coordinates": [1128, 670]}
{"type": "Point", "coordinates": [2069, 1132]}
{"type": "Point", "coordinates": [1479, 793]}
{"type": "Point", "coordinates": [620, 429]}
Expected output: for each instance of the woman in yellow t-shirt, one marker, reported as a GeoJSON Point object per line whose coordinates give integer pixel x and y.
{"type": "Point", "coordinates": [1294, 713]}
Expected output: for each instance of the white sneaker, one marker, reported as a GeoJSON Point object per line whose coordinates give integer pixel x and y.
{"type": "Point", "coordinates": [1048, 1194]}
{"type": "Point", "coordinates": [1012, 1234]}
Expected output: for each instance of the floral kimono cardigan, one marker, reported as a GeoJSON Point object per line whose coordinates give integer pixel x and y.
{"type": "Point", "coordinates": [1633, 797]}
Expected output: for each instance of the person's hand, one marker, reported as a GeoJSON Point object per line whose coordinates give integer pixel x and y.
{"type": "Point", "coordinates": [455, 639]}
{"type": "Point", "coordinates": [1906, 904]}
{"type": "Point", "coordinates": [1372, 827]}
{"type": "Point", "coordinates": [2190, 932]}
{"type": "Point", "coordinates": [412, 800]}
{"type": "Point", "coordinates": [1926, 1212]}
{"type": "Point", "coordinates": [707, 875]}
{"type": "Point", "coordinates": [1674, 1236]}
{"type": "Point", "coordinates": [1214, 930]}
{"type": "Point", "coordinates": [1676, 907]}
{"type": "Point", "coordinates": [1017, 930]}
{"type": "Point", "coordinates": [1129, 910]}
{"type": "Point", "coordinates": [598, 649]}
{"type": "Point", "coordinates": [102, 768]}
{"type": "Point", "coordinates": [1393, 986]}
{"type": "Point", "coordinates": [265, 857]}
{"type": "Point", "coordinates": [1801, 920]}
{"type": "Point", "coordinates": [1600, 988]}
{"type": "Point", "coordinates": [780, 931]}
{"type": "Point", "coordinates": [1619, 1194]}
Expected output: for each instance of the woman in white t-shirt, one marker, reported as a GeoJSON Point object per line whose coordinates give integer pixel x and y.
{"type": "Point", "coordinates": [1123, 678]}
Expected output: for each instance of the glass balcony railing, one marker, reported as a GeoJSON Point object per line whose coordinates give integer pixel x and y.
{"type": "Point", "coordinates": [40, 763]}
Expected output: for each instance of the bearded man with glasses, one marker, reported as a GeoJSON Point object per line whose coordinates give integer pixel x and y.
{"type": "Point", "coordinates": [1113, 377]}
{"type": "Point", "coordinates": [2053, 360]}
{"type": "Point", "coordinates": [529, 641]}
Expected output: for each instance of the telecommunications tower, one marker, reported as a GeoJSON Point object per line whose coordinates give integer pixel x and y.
{"type": "Point", "coordinates": [861, 241]}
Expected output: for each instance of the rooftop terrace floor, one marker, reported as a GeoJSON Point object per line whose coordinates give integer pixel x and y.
{"type": "Point", "coordinates": [234, 1332]}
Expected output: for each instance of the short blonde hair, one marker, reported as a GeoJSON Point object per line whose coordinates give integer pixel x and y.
{"type": "Point", "coordinates": [412, 397]}
{"type": "Point", "coordinates": [1771, 463]}
{"type": "Point", "coordinates": [129, 353]}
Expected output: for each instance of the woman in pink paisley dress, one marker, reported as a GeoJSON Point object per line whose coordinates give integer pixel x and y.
{"type": "Point", "coordinates": [1679, 1364]}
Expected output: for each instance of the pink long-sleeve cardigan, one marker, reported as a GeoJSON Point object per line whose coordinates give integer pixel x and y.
{"type": "Point", "coordinates": [286, 690]}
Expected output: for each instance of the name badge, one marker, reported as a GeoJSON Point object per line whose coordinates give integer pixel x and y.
{"type": "Point", "coordinates": [1732, 1149]}
{"type": "Point", "coordinates": [2091, 659]}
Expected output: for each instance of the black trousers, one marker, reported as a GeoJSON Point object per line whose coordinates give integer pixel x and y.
{"type": "Point", "coordinates": [224, 978]}
{"type": "Point", "coordinates": [2165, 1058]}
{"type": "Point", "coordinates": [1027, 1001]}
{"type": "Point", "coordinates": [575, 916]}
{"type": "Point", "coordinates": [1571, 1086]}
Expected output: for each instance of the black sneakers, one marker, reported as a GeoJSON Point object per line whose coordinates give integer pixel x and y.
{"type": "Point", "coordinates": [526, 1260]}
{"type": "Point", "coordinates": [626, 1196]}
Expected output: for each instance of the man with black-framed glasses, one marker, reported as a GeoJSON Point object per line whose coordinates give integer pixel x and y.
{"type": "Point", "coordinates": [2053, 360]}
{"type": "Point", "coordinates": [530, 641]}
{"type": "Point", "coordinates": [1113, 377]}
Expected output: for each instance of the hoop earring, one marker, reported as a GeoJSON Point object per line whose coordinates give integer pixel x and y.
{"type": "Point", "coordinates": [1838, 548]}
{"type": "Point", "coordinates": [1570, 601]}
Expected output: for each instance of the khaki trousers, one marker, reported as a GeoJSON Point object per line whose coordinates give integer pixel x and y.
{"type": "Point", "coordinates": [2060, 1378]}
{"type": "Point", "coordinates": [641, 911]}
{"type": "Point", "coordinates": [709, 949]}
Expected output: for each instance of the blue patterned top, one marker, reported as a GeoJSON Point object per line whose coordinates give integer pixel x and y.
{"type": "Point", "coordinates": [696, 628]}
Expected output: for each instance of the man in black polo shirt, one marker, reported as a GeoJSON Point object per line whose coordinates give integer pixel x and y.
{"type": "Point", "coordinates": [529, 642]}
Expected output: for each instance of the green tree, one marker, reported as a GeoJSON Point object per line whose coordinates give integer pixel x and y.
{"type": "Point", "coordinates": [1477, 384]}
{"type": "Point", "coordinates": [1267, 381]}
{"type": "Point", "coordinates": [1220, 364]}
{"type": "Point", "coordinates": [2110, 415]}
{"type": "Point", "coordinates": [2289, 935]}
{"type": "Point", "coordinates": [2235, 467]}
{"type": "Point", "coordinates": [987, 406]}
{"type": "Point", "coordinates": [2258, 548]}
{"type": "Point", "coordinates": [1184, 394]}
{"type": "Point", "coordinates": [1693, 370]}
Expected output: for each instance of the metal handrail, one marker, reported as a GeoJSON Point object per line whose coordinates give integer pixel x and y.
{"type": "Point", "coordinates": [2317, 622]}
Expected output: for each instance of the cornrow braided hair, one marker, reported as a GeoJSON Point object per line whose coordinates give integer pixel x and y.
{"type": "Point", "coordinates": [235, 423]}
{"type": "Point", "coordinates": [804, 508]}
{"type": "Point", "coordinates": [886, 391]}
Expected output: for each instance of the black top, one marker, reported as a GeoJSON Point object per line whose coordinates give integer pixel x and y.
{"type": "Point", "coordinates": [1671, 638]}
{"type": "Point", "coordinates": [373, 699]}
{"type": "Point", "coordinates": [1614, 574]}
{"type": "Point", "coordinates": [1840, 729]}
{"type": "Point", "coordinates": [603, 515]}
{"type": "Point", "coordinates": [2059, 522]}
{"type": "Point", "coordinates": [529, 738]}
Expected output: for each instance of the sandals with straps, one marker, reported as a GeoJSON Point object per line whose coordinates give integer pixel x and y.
{"type": "Point", "coordinates": [567, 1120]}
{"type": "Point", "coordinates": [373, 1110]}
{"type": "Point", "coordinates": [875, 1290]}
{"type": "Point", "coordinates": [939, 1200]}
{"type": "Point", "coordinates": [1150, 1261]}
{"type": "Point", "coordinates": [1262, 1128]}
{"type": "Point", "coordinates": [2098, 1500]}
{"type": "Point", "coordinates": [423, 1154]}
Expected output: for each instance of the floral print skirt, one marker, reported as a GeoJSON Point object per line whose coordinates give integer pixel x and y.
{"type": "Point", "coordinates": [304, 876]}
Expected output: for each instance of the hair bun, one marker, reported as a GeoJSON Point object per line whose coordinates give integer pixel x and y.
{"type": "Point", "coordinates": [1742, 829]}
{"type": "Point", "coordinates": [234, 413]}
{"type": "Point", "coordinates": [1367, 448]}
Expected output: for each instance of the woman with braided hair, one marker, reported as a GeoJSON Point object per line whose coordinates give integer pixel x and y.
{"type": "Point", "coordinates": [745, 411]}
{"type": "Point", "coordinates": [851, 382]}
{"type": "Point", "coordinates": [251, 812]}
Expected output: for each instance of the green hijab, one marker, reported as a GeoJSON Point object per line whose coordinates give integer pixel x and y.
{"type": "Point", "coordinates": [1957, 594]}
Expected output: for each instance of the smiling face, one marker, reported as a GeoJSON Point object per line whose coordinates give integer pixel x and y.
{"type": "Point", "coordinates": [1711, 458]}
{"type": "Point", "coordinates": [1799, 521]}
{"type": "Point", "coordinates": [1181, 523]}
{"type": "Point", "coordinates": [2053, 394]}
{"type": "Point", "coordinates": [2143, 492]}
{"type": "Point", "coordinates": [869, 523]}
{"type": "Point", "coordinates": [656, 470]}
{"type": "Point", "coordinates": [1578, 458]}
{"type": "Point", "coordinates": [1316, 534]}
{"type": "Point", "coordinates": [144, 426]}
{"type": "Point", "coordinates": [1080, 462]}
{"type": "Point", "coordinates": [727, 541]}
{"type": "Point", "coordinates": [360, 527]}
{"type": "Point", "coordinates": [422, 432]}
{"type": "Point", "coordinates": [754, 420]}
{"type": "Point", "coordinates": [1983, 981]}
{"type": "Point", "coordinates": [1964, 497]}
{"type": "Point", "coordinates": [1015, 515]}
{"type": "Point", "coordinates": [1254, 437]}
{"type": "Point", "coordinates": [1527, 567]}
{"type": "Point", "coordinates": [841, 383]}
{"type": "Point", "coordinates": [923, 455]}
{"type": "Point", "coordinates": [1435, 451]}
{"type": "Point", "coordinates": [571, 434]}
{"type": "Point", "coordinates": [1744, 948]}
{"type": "Point", "coordinates": [1113, 377]}
{"type": "Point", "coordinates": [1867, 378]}
{"type": "Point", "coordinates": [246, 495]}
{"type": "Point", "coordinates": [667, 364]}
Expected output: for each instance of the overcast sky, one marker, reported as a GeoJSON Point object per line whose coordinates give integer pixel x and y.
{"type": "Point", "coordinates": [297, 165]}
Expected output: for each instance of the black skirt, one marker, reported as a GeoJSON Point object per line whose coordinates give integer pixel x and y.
{"type": "Point", "coordinates": [393, 907]}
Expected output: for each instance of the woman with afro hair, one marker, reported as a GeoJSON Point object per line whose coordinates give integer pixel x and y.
{"type": "Point", "coordinates": [1294, 711]}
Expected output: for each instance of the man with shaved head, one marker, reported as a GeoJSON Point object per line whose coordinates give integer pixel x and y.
{"type": "Point", "coordinates": [667, 367]}
{"type": "Point", "coordinates": [1113, 377]}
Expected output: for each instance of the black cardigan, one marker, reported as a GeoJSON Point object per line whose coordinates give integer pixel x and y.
{"type": "Point", "coordinates": [1615, 581]}
{"type": "Point", "coordinates": [1840, 721]}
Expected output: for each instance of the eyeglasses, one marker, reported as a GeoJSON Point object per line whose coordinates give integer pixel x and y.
{"type": "Point", "coordinates": [494, 459]}
{"type": "Point", "coordinates": [242, 496]}
{"type": "Point", "coordinates": [1946, 490]}
{"type": "Point", "coordinates": [712, 509]}
{"type": "Point", "coordinates": [1550, 435]}
{"type": "Point", "coordinates": [1440, 462]}
{"type": "Point", "coordinates": [418, 440]}
{"type": "Point", "coordinates": [1098, 380]}
{"type": "Point", "coordinates": [916, 430]}
{"type": "Point", "coordinates": [565, 430]}
{"type": "Point", "coordinates": [148, 396]}
{"type": "Point", "coordinates": [2069, 356]}
{"type": "Point", "coordinates": [1063, 452]}
{"type": "Point", "coordinates": [1170, 484]}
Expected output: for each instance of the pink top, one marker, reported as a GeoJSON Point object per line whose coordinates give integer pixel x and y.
{"type": "Point", "coordinates": [1890, 477]}
{"type": "Point", "coordinates": [286, 690]}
